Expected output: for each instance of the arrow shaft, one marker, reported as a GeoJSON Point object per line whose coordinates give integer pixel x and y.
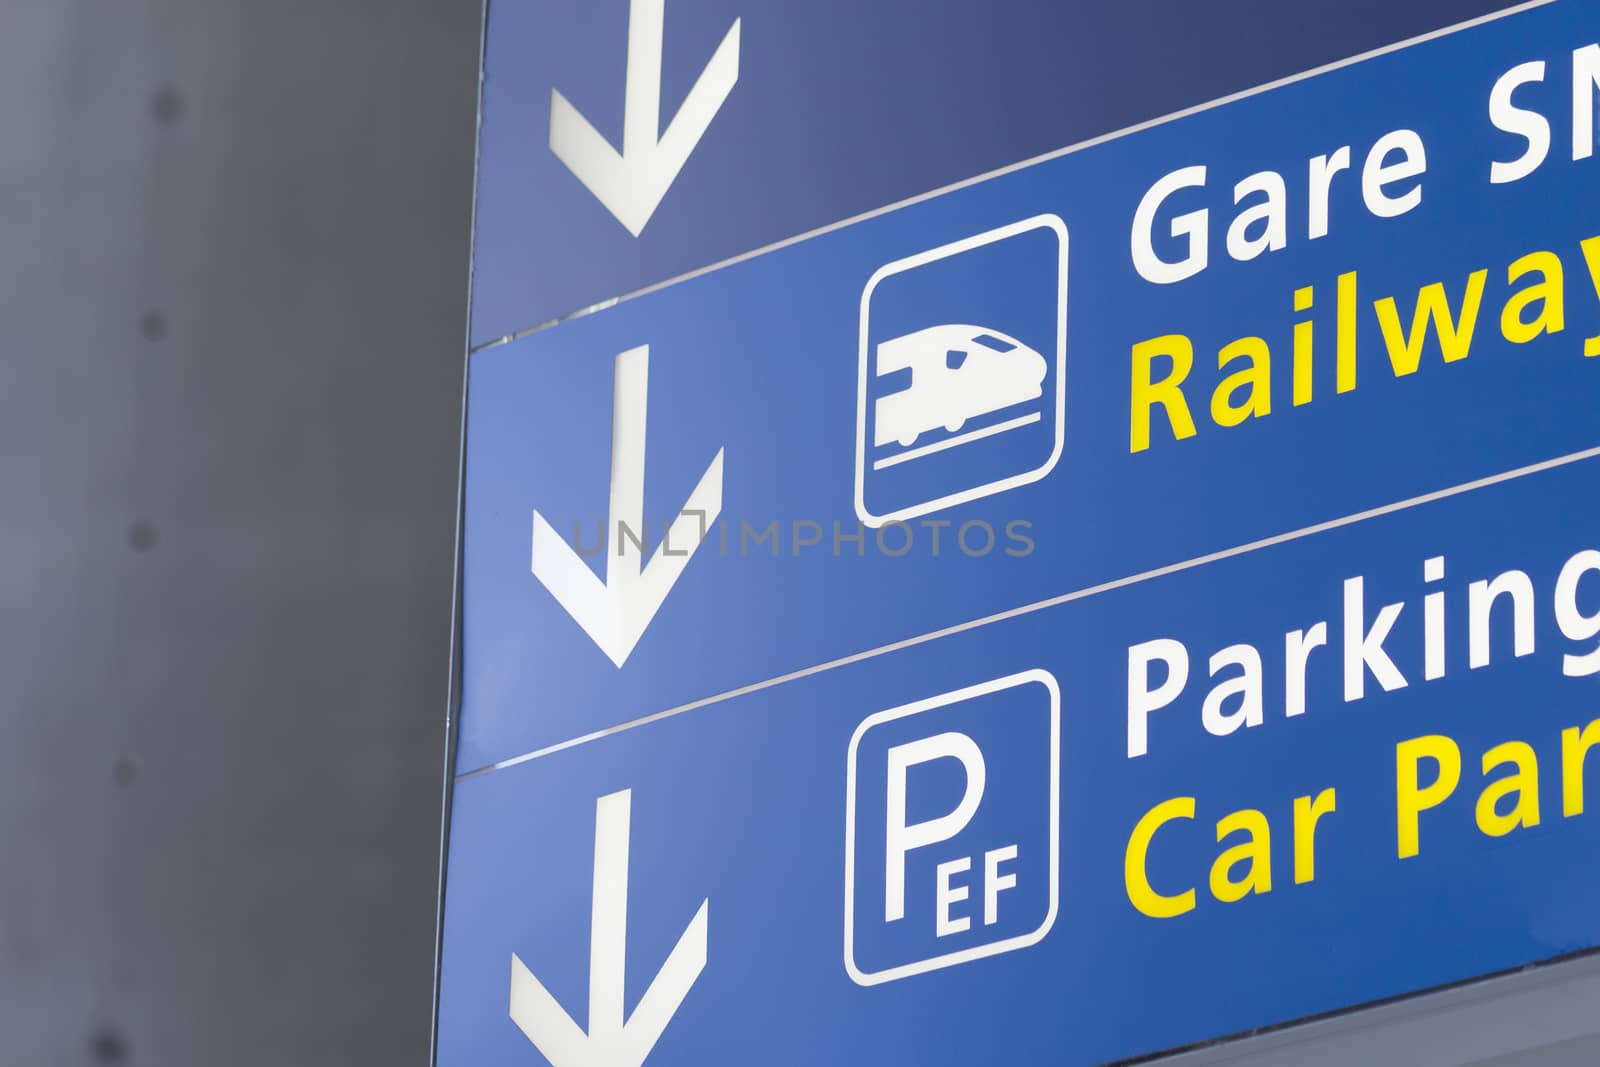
{"type": "Point", "coordinates": [608, 923]}
{"type": "Point", "coordinates": [641, 117]}
{"type": "Point", "coordinates": [626, 534]}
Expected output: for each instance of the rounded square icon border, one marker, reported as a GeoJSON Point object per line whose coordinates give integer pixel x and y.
{"type": "Point", "coordinates": [977, 952]}
{"type": "Point", "coordinates": [1046, 221]}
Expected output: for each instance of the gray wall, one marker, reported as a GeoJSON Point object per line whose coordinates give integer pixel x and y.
{"type": "Point", "coordinates": [233, 264]}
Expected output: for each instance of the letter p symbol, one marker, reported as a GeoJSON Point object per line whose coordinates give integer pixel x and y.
{"type": "Point", "coordinates": [901, 838]}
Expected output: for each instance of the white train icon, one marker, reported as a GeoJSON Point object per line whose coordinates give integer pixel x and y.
{"type": "Point", "coordinates": [958, 372]}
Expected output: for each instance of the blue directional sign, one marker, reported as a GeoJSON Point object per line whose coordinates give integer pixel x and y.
{"type": "Point", "coordinates": [1262, 860]}
{"type": "Point", "coordinates": [625, 142]}
{"type": "Point", "coordinates": [1124, 601]}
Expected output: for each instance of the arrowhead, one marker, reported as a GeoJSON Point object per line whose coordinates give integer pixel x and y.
{"type": "Point", "coordinates": [616, 612]}
{"type": "Point", "coordinates": [631, 183]}
{"type": "Point", "coordinates": [601, 168]}
{"type": "Point", "coordinates": [616, 616]}
{"type": "Point", "coordinates": [560, 1040]}
{"type": "Point", "coordinates": [611, 1041]}
{"type": "Point", "coordinates": [592, 604]}
{"type": "Point", "coordinates": [637, 605]}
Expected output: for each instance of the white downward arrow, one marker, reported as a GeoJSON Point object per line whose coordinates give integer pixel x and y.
{"type": "Point", "coordinates": [632, 182]}
{"type": "Point", "coordinates": [616, 612]}
{"type": "Point", "coordinates": [612, 1040]}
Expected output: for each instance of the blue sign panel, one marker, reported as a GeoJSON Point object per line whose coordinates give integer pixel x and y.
{"type": "Point", "coordinates": [1002, 395]}
{"type": "Point", "coordinates": [1145, 596]}
{"type": "Point", "coordinates": [1342, 768]}
{"type": "Point", "coordinates": [625, 142]}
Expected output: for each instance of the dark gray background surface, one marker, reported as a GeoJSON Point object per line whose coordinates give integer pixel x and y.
{"type": "Point", "coordinates": [233, 269]}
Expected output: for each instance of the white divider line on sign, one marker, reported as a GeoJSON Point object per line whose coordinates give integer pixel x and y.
{"type": "Point", "coordinates": [1050, 602]}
